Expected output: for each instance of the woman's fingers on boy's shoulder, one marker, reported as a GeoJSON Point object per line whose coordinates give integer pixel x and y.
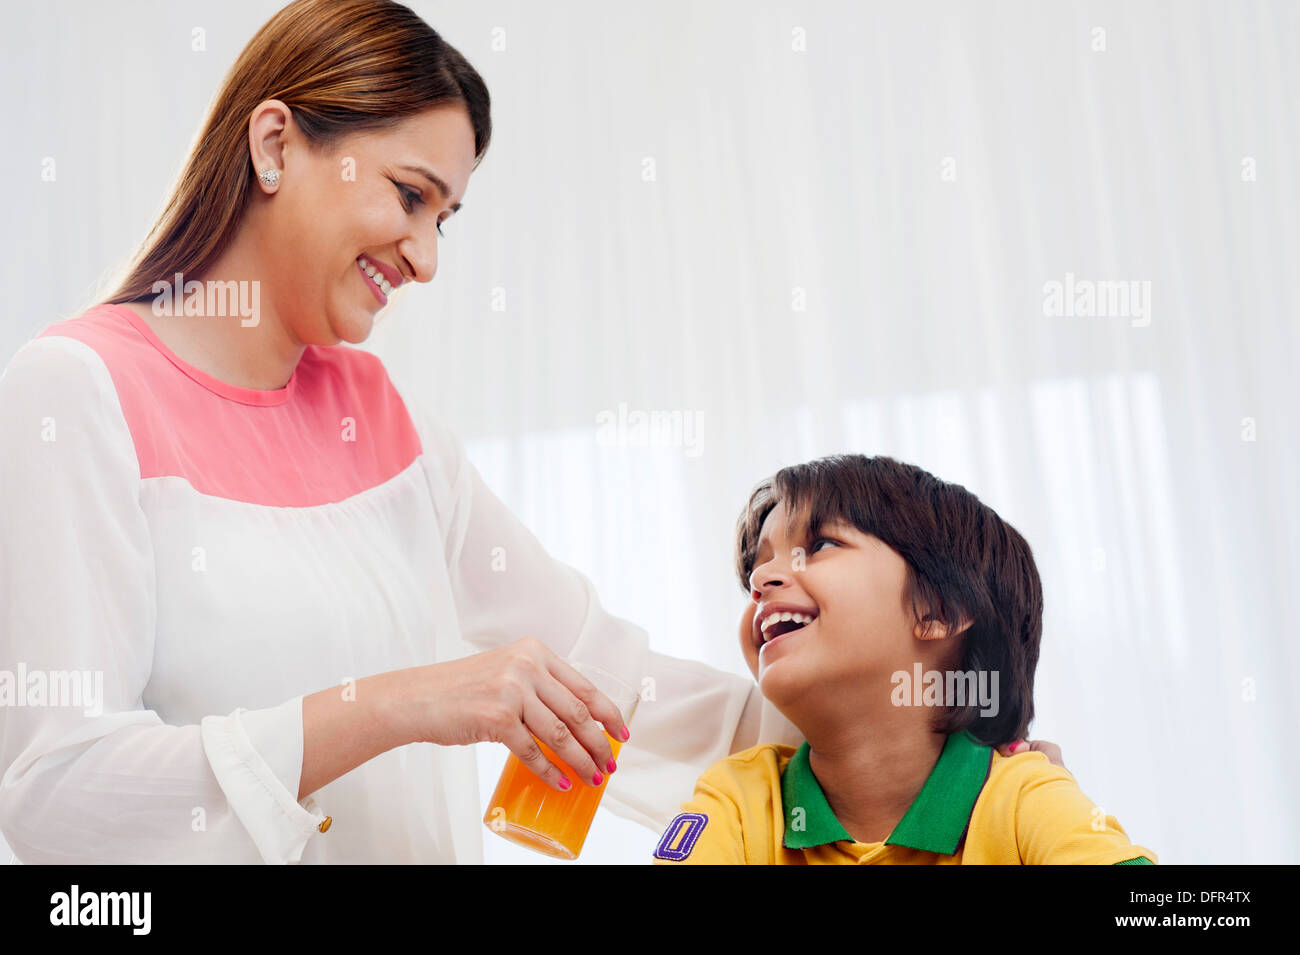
{"type": "Point", "coordinates": [1048, 749]}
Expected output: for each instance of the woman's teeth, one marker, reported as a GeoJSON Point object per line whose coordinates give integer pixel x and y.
{"type": "Point", "coordinates": [376, 275]}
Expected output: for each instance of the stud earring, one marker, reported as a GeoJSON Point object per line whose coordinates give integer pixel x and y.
{"type": "Point", "coordinates": [270, 176]}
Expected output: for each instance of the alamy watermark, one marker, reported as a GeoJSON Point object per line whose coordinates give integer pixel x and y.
{"type": "Point", "coordinates": [1089, 299]}
{"type": "Point", "coordinates": [83, 688]}
{"type": "Point", "coordinates": [660, 429]}
{"type": "Point", "coordinates": [75, 907]}
{"type": "Point", "coordinates": [946, 688]}
{"type": "Point", "coordinates": [211, 298]}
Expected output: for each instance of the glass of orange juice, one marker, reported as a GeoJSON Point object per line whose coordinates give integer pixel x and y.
{"type": "Point", "coordinates": [530, 813]}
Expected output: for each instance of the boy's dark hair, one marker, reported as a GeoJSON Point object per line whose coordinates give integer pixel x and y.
{"type": "Point", "coordinates": [964, 562]}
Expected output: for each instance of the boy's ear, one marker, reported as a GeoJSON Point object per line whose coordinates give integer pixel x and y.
{"type": "Point", "coordinates": [929, 628]}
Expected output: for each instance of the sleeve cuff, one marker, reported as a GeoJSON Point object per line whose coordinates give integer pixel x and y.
{"type": "Point", "coordinates": [256, 757]}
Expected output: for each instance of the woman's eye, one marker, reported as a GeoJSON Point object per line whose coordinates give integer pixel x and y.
{"type": "Point", "coordinates": [817, 544]}
{"type": "Point", "coordinates": [410, 197]}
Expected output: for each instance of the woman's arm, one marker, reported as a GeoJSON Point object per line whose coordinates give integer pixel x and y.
{"type": "Point", "coordinates": [514, 694]}
{"type": "Point", "coordinates": [340, 733]}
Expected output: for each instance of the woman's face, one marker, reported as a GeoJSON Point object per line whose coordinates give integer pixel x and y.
{"type": "Point", "coordinates": [366, 198]}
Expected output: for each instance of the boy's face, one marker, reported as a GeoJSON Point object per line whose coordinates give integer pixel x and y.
{"type": "Point", "coordinates": [853, 586]}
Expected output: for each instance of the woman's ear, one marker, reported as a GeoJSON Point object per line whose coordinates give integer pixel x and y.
{"type": "Point", "coordinates": [266, 139]}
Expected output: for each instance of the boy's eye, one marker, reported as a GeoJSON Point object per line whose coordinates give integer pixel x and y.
{"type": "Point", "coordinates": [817, 544]}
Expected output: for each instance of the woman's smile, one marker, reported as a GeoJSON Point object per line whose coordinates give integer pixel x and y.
{"type": "Point", "coordinates": [376, 279]}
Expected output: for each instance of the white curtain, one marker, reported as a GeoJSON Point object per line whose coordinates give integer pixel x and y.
{"type": "Point", "coordinates": [794, 229]}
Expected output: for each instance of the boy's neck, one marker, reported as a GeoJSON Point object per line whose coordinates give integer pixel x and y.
{"type": "Point", "coordinates": [872, 770]}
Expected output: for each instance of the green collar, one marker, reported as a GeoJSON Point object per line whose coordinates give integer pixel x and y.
{"type": "Point", "coordinates": [935, 822]}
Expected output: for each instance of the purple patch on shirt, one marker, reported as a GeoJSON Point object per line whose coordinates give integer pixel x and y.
{"type": "Point", "coordinates": [693, 824]}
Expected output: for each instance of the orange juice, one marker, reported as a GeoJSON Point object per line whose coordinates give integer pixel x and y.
{"type": "Point", "coordinates": [526, 811]}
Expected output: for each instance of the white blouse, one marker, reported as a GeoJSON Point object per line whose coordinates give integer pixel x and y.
{"type": "Point", "coordinates": [182, 560]}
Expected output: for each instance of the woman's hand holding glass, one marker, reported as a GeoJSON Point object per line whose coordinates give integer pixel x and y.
{"type": "Point", "coordinates": [516, 695]}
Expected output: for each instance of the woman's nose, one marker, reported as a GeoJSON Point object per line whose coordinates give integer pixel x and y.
{"type": "Point", "coordinates": [421, 254]}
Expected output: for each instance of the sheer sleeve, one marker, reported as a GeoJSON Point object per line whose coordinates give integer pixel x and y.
{"type": "Point", "coordinates": [507, 586]}
{"type": "Point", "coordinates": [90, 772]}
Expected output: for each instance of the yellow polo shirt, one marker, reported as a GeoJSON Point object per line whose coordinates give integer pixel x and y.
{"type": "Point", "coordinates": [764, 806]}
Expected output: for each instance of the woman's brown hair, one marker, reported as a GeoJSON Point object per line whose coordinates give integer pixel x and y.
{"type": "Point", "coordinates": [342, 67]}
{"type": "Point", "coordinates": [964, 563]}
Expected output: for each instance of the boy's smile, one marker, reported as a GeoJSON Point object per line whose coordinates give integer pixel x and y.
{"type": "Point", "coordinates": [774, 619]}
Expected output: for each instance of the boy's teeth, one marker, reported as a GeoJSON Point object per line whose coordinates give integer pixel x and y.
{"type": "Point", "coordinates": [780, 617]}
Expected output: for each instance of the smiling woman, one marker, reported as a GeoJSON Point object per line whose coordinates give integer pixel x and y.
{"type": "Point", "coordinates": [359, 145]}
{"type": "Point", "coordinates": [361, 67]}
{"type": "Point", "coordinates": [286, 573]}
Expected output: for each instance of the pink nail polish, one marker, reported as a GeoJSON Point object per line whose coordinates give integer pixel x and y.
{"type": "Point", "coordinates": [597, 779]}
{"type": "Point", "coordinates": [564, 783]}
{"type": "Point", "coordinates": [611, 766]}
{"type": "Point", "coordinates": [1017, 746]}
{"type": "Point", "coordinates": [626, 734]}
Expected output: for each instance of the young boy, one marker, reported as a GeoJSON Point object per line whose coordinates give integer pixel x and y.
{"type": "Point", "coordinates": [895, 620]}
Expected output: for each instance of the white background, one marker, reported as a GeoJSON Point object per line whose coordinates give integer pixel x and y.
{"type": "Point", "coordinates": [800, 273]}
